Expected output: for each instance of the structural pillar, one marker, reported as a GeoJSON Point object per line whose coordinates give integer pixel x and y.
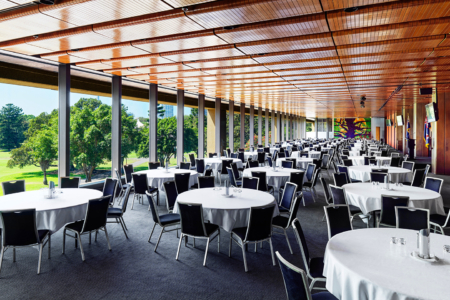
{"type": "Point", "coordinates": [201, 126]}
{"type": "Point", "coordinates": [260, 125]}
{"type": "Point", "coordinates": [242, 126]}
{"type": "Point", "coordinates": [282, 127]}
{"type": "Point", "coordinates": [231, 126]}
{"type": "Point", "coordinates": [266, 144]}
{"type": "Point", "coordinates": [116, 125]}
{"type": "Point", "coordinates": [153, 122]}
{"type": "Point", "coordinates": [180, 126]}
{"type": "Point", "coordinates": [63, 122]}
{"type": "Point", "coordinates": [252, 127]}
{"type": "Point", "coordinates": [217, 129]}
{"type": "Point", "coordinates": [273, 137]}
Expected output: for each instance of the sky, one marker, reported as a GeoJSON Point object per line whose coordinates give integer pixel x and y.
{"type": "Point", "coordinates": [34, 101]}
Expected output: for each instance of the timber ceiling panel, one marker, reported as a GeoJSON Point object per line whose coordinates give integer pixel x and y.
{"type": "Point", "coordinates": [287, 54]}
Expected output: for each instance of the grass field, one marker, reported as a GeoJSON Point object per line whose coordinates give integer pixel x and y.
{"type": "Point", "coordinates": [34, 176]}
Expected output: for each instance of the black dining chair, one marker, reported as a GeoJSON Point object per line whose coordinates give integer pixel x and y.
{"type": "Point", "coordinates": [313, 266]}
{"type": "Point", "coordinates": [193, 161]}
{"type": "Point", "coordinates": [193, 225]}
{"type": "Point", "coordinates": [226, 163]}
{"type": "Point", "coordinates": [338, 219]}
{"type": "Point", "coordinates": [122, 187]}
{"type": "Point", "coordinates": [200, 166]}
{"type": "Point", "coordinates": [170, 188]}
{"type": "Point", "coordinates": [367, 160]}
{"type": "Point", "coordinates": [326, 191]}
{"type": "Point", "coordinates": [206, 182]}
{"type": "Point", "coordinates": [261, 158]}
{"type": "Point", "coordinates": [348, 162]}
{"type": "Point", "coordinates": [287, 164]}
{"type": "Point", "coordinates": [281, 155]}
{"type": "Point", "coordinates": [250, 183]}
{"type": "Point", "coordinates": [153, 165]}
{"type": "Point", "coordinates": [409, 165]}
{"type": "Point", "coordinates": [339, 198]}
{"type": "Point", "coordinates": [241, 156]}
{"type": "Point", "coordinates": [269, 161]}
{"type": "Point", "coordinates": [12, 187]}
{"type": "Point", "coordinates": [387, 213]}
{"type": "Point", "coordinates": [185, 166]}
{"type": "Point", "coordinates": [418, 178]}
{"type": "Point", "coordinates": [258, 230]}
{"type": "Point", "coordinates": [19, 230]}
{"type": "Point", "coordinates": [283, 223]}
{"type": "Point", "coordinates": [117, 212]}
{"type": "Point", "coordinates": [296, 178]}
{"type": "Point", "coordinates": [340, 179]}
{"type": "Point", "coordinates": [377, 177]}
{"type": "Point", "coordinates": [235, 169]}
{"type": "Point", "coordinates": [182, 182]}
{"type": "Point", "coordinates": [166, 220]}
{"type": "Point", "coordinates": [109, 188]}
{"type": "Point", "coordinates": [233, 181]}
{"type": "Point", "coordinates": [412, 218]}
{"type": "Point", "coordinates": [434, 184]}
{"type": "Point", "coordinates": [263, 186]}
{"type": "Point", "coordinates": [344, 169]}
{"type": "Point", "coordinates": [128, 170]}
{"type": "Point", "coordinates": [252, 164]}
{"type": "Point", "coordinates": [70, 182]}
{"type": "Point", "coordinates": [208, 172]}
{"type": "Point", "coordinates": [395, 161]}
{"type": "Point", "coordinates": [140, 182]}
{"type": "Point", "coordinates": [211, 155]}
{"type": "Point", "coordinates": [290, 191]}
{"type": "Point", "coordinates": [95, 220]}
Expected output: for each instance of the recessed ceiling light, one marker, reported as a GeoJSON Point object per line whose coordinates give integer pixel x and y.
{"type": "Point", "coordinates": [350, 9]}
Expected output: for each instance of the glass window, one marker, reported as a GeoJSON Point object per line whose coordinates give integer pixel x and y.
{"type": "Point", "coordinates": [28, 135]}
{"type": "Point", "coordinates": [247, 132]}
{"type": "Point", "coordinates": [190, 132]}
{"type": "Point", "coordinates": [167, 134]}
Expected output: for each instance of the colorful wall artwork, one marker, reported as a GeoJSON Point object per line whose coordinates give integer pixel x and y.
{"type": "Point", "coordinates": [353, 128]}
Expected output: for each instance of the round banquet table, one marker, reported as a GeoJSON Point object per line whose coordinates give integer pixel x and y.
{"type": "Point", "coordinates": [359, 160]}
{"type": "Point", "coordinates": [357, 147]}
{"type": "Point", "coordinates": [354, 153]}
{"type": "Point", "coordinates": [156, 178]}
{"type": "Point", "coordinates": [276, 179]}
{"type": "Point", "coordinates": [368, 199]}
{"type": "Point", "coordinates": [302, 163]}
{"type": "Point", "coordinates": [295, 154]}
{"type": "Point", "coordinates": [216, 163]}
{"type": "Point", "coordinates": [363, 173]}
{"type": "Point", "coordinates": [228, 213]}
{"type": "Point", "coordinates": [314, 154]}
{"type": "Point", "coordinates": [253, 155]}
{"type": "Point", "coordinates": [69, 206]}
{"type": "Point", "coordinates": [365, 265]}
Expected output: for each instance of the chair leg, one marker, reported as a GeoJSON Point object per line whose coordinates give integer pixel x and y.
{"type": "Point", "coordinates": [90, 235]}
{"type": "Point", "coordinates": [245, 258]}
{"type": "Point", "coordinates": [218, 241]}
{"type": "Point", "coordinates": [107, 238]}
{"type": "Point", "coordinates": [287, 240]}
{"type": "Point", "coordinates": [49, 244]}
{"type": "Point", "coordinates": [271, 251]}
{"type": "Point", "coordinates": [124, 231]}
{"type": "Point", "coordinates": [81, 246]}
{"type": "Point", "coordinates": [14, 254]}
{"type": "Point", "coordinates": [179, 246]}
{"type": "Point", "coordinates": [41, 245]}
{"type": "Point", "coordinates": [64, 241]}
{"type": "Point", "coordinates": [231, 242]}
{"type": "Point", "coordinates": [1, 257]}
{"type": "Point", "coordinates": [206, 252]}
{"type": "Point", "coordinates": [160, 235]}
{"type": "Point", "coordinates": [132, 202]}
{"type": "Point", "coordinates": [157, 197]}
{"type": "Point", "coordinates": [311, 286]}
{"type": "Point", "coordinates": [123, 221]}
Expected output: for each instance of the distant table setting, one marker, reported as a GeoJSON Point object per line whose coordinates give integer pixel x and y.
{"type": "Point", "coordinates": [157, 177]}
{"type": "Point", "coordinates": [363, 173]}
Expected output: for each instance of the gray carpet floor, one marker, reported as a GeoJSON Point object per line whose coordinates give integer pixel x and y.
{"type": "Point", "coordinates": [133, 271]}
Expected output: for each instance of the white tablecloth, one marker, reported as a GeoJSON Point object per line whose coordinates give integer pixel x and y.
{"type": "Point", "coordinates": [52, 214]}
{"type": "Point", "coordinates": [368, 199]}
{"type": "Point", "coordinates": [364, 265]}
{"type": "Point", "coordinates": [301, 162]}
{"type": "Point", "coordinates": [275, 179]}
{"type": "Point", "coordinates": [359, 160]}
{"type": "Point", "coordinates": [314, 154]}
{"type": "Point", "coordinates": [228, 213]}
{"type": "Point", "coordinates": [216, 163]}
{"type": "Point", "coordinates": [253, 155]}
{"type": "Point", "coordinates": [354, 153]}
{"type": "Point", "coordinates": [363, 173]}
{"type": "Point", "coordinates": [156, 178]}
{"type": "Point", "coordinates": [357, 147]}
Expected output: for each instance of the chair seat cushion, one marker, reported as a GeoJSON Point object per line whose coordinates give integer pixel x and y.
{"type": "Point", "coordinates": [316, 267]}
{"type": "Point", "coordinates": [152, 189]}
{"type": "Point", "coordinates": [438, 219]}
{"type": "Point", "coordinates": [354, 209]}
{"type": "Point", "coordinates": [42, 233]}
{"type": "Point", "coordinates": [211, 228]}
{"type": "Point", "coordinates": [240, 232]}
{"type": "Point", "coordinates": [169, 218]}
{"type": "Point", "coordinates": [114, 212]}
{"type": "Point", "coordinates": [324, 296]}
{"type": "Point", "coordinates": [125, 186]}
{"type": "Point", "coordinates": [280, 221]}
{"type": "Point", "coordinates": [77, 226]}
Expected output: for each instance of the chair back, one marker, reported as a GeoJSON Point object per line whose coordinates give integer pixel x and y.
{"type": "Point", "coordinates": [338, 219]}
{"type": "Point", "coordinates": [408, 165]}
{"type": "Point", "coordinates": [287, 153]}
{"type": "Point", "coordinates": [294, 162]}
{"type": "Point", "coordinates": [388, 204]}
{"type": "Point", "coordinates": [261, 157]}
{"type": "Point", "coordinates": [260, 223]}
{"type": "Point", "coordinates": [310, 171]}
{"type": "Point", "coordinates": [338, 195]}
{"type": "Point", "coordinates": [12, 187]}
{"type": "Point", "coordinates": [125, 199]}
{"type": "Point", "coordinates": [153, 165]}
{"type": "Point", "coordinates": [340, 179]}
{"type": "Point", "coordinates": [241, 149]}
{"type": "Point", "coordinates": [281, 155]}
{"type": "Point", "coordinates": [211, 155]}
{"type": "Point", "coordinates": [295, 280]}
{"type": "Point", "coordinates": [109, 188]}
{"type": "Point", "coordinates": [231, 177]}
{"type": "Point", "coordinates": [225, 153]}
{"type": "Point", "coordinates": [282, 150]}
{"type": "Point", "coordinates": [200, 165]}
{"type": "Point", "coordinates": [226, 163]}
{"type": "Point", "coordinates": [234, 167]}
{"type": "Point", "coordinates": [182, 182]}
{"type": "Point", "coordinates": [185, 165]}
{"type": "Point", "coordinates": [234, 155]}
{"type": "Point", "coordinates": [206, 182]}
{"type": "Point", "coordinates": [297, 178]}
{"type": "Point", "coordinates": [325, 160]}
{"type": "Point", "coordinates": [241, 156]}
{"type": "Point", "coordinates": [267, 150]}
{"type": "Point", "coordinates": [289, 192]}
{"type": "Point", "coordinates": [250, 183]}
{"type": "Point", "coordinates": [192, 160]}
{"type": "Point", "coordinates": [208, 172]}
{"type": "Point", "coordinates": [326, 190]}
{"type": "Point", "coordinates": [140, 182]}
{"type": "Point", "coordinates": [171, 193]}
{"type": "Point", "coordinates": [275, 155]}
{"type": "Point", "coordinates": [395, 160]}
{"type": "Point", "coordinates": [301, 240]}
{"type": "Point", "coordinates": [418, 177]}
{"type": "Point", "coordinates": [412, 218]}
{"type": "Point", "coordinates": [191, 216]}
{"type": "Point", "coordinates": [434, 184]}
{"type": "Point", "coordinates": [228, 152]}
{"type": "Point", "coordinates": [262, 186]}
{"type": "Point", "coordinates": [19, 227]}
{"type": "Point", "coordinates": [128, 170]}
{"type": "Point", "coordinates": [153, 208]}
{"type": "Point", "coordinates": [252, 164]}
{"type": "Point", "coordinates": [287, 164]}
{"type": "Point", "coordinates": [374, 170]}
{"type": "Point", "coordinates": [96, 214]}
{"type": "Point", "coordinates": [367, 160]}
{"type": "Point", "coordinates": [70, 182]}
{"type": "Point", "coordinates": [377, 177]}
{"type": "Point", "coordinates": [269, 160]}
{"type": "Point", "coordinates": [348, 162]}
{"type": "Point", "coordinates": [119, 179]}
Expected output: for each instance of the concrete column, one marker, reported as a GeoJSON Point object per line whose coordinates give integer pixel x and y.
{"type": "Point", "coordinates": [63, 122]}
{"type": "Point", "coordinates": [201, 126]}
{"type": "Point", "coordinates": [211, 128]}
{"type": "Point", "coordinates": [153, 122]}
{"type": "Point", "coordinates": [231, 126]}
{"type": "Point", "coordinates": [242, 125]}
{"type": "Point", "coordinates": [260, 125]}
{"type": "Point", "coordinates": [267, 128]}
{"type": "Point", "coordinates": [180, 126]}
{"type": "Point", "coordinates": [116, 125]}
{"type": "Point", "coordinates": [274, 133]}
{"type": "Point", "coordinates": [218, 148]}
{"type": "Point", "coordinates": [252, 127]}
{"type": "Point", "coordinates": [282, 127]}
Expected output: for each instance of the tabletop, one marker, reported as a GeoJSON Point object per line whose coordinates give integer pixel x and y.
{"type": "Point", "coordinates": [365, 265]}
{"type": "Point", "coordinates": [280, 172]}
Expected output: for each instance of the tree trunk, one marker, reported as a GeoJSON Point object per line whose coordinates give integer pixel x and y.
{"type": "Point", "coordinates": [45, 177]}
{"type": "Point", "coordinates": [44, 168]}
{"type": "Point", "coordinates": [86, 173]}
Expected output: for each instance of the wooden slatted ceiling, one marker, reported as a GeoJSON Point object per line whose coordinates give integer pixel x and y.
{"type": "Point", "coordinates": [279, 53]}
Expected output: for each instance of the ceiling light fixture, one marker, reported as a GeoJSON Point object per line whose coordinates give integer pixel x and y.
{"type": "Point", "coordinates": [350, 9]}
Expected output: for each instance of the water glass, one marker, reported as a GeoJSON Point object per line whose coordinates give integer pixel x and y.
{"type": "Point", "coordinates": [394, 240]}
{"type": "Point", "coordinates": [400, 184]}
{"type": "Point", "coordinates": [378, 185]}
{"type": "Point", "coordinates": [402, 241]}
{"type": "Point", "coordinates": [447, 248]}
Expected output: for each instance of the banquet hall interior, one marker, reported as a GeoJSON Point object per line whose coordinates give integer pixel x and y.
{"type": "Point", "coordinates": [224, 149]}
